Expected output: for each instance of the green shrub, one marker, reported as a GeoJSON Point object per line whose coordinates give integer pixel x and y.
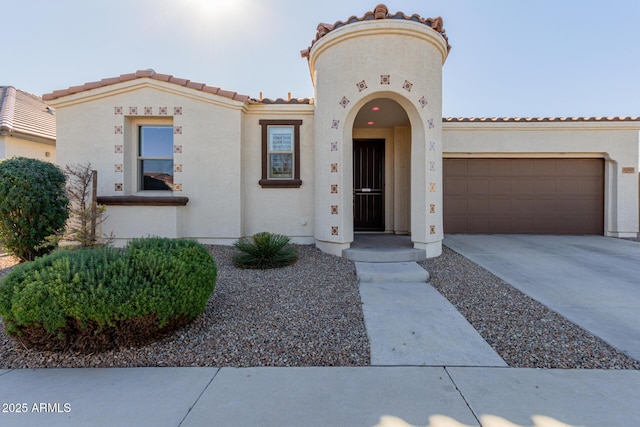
{"type": "Point", "coordinates": [33, 206]}
{"type": "Point", "coordinates": [100, 298]}
{"type": "Point", "coordinates": [265, 250]}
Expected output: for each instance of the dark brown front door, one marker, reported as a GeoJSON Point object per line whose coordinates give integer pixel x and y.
{"type": "Point", "coordinates": [368, 185]}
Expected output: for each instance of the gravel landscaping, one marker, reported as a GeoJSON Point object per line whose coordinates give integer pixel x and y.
{"type": "Point", "coordinates": [310, 314]}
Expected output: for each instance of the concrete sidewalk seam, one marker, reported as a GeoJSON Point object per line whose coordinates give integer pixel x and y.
{"type": "Point", "coordinates": [464, 399]}
{"type": "Point", "coordinates": [199, 397]}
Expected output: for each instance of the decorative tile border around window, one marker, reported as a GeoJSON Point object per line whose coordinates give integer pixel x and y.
{"type": "Point", "coordinates": [177, 167]}
{"type": "Point", "coordinates": [335, 231]}
{"type": "Point", "coordinates": [177, 149]}
{"type": "Point", "coordinates": [432, 187]}
{"type": "Point", "coordinates": [177, 111]}
{"type": "Point", "coordinates": [334, 209]}
{"type": "Point", "coordinates": [407, 86]}
{"type": "Point", "coordinates": [334, 146]}
{"type": "Point", "coordinates": [117, 111]}
{"type": "Point", "coordinates": [177, 130]}
{"type": "Point", "coordinates": [432, 208]}
{"type": "Point", "coordinates": [335, 124]}
{"type": "Point", "coordinates": [118, 149]}
{"type": "Point", "coordinates": [177, 187]}
{"type": "Point", "coordinates": [344, 102]}
{"type": "Point", "coordinates": [334, 188]}
{"type": "Point", "coordinates": [119, 186]}
{"type": "Point", "coordinates": [423, 102]}
{"type": "Point", "coordinates": [334, 167]}
{"type": "Point", "coordinates": [118, 167]}
{"type": "Point", "coordinates": [148, 111]}
{"type": "Point", "coordinates": [133, 111]}
{"type": "Point", "coordinates": [163, 111]}
{"type": "Point", "coordinates": [385, 79]}
{"type": "Point", "coordinates": [361, 85]}
{"type": "Point", "coordinates": [119, 130]}
{"type": "Point", "coordinates": [432, 229]}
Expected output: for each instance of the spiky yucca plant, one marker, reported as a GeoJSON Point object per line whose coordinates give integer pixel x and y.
{"type": "Point", "coordinates": [264, 250]}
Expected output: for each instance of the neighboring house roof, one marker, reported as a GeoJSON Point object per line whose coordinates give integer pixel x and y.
{"type": "Point", "coordinates": [151, 74]}
{"type": "Point", "coordinates": [380, 12]}
{"type": "Point", "coordinates": [26, 116]}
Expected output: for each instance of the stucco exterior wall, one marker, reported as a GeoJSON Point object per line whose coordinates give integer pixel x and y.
{"type": "Point", "coordinates": [616, 143]}
{"type": "Point", "coordinates": [399, 60]}
{"type": "Point", "coordinates": [11, 146]}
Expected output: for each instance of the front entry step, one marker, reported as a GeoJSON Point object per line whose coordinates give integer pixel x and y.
{"type": "Point", "coordinates": [399, 272]}
{"type": "Point", "coordinates": [385, 255]}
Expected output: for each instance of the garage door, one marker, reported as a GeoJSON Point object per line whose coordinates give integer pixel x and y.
{"type": "Point", "coordinates": [524, 196]}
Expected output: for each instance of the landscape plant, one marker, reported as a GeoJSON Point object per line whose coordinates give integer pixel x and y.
{"type": "Point", "coordinates": [94, 299]}
{"type": "Point", "coordinates": [265, 250]}
{"type": "Point", "coordinates": [33, 206]}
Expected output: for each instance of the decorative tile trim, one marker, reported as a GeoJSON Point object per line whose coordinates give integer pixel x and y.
{"type": "Point", "coordinates": [334, 209]}
{"type": "Point", "coordinates": [432, 166]}
{"type": "Point", "coordinates": [163, 111]}
{"type": "Point", "coordinates": [335, 231]}
{"type": "Point", "coordinates": [432, 146]}
{"type": "Point", "coordinates": [118, 149]}
{"type": "Point", "coordinates": [177, 167]}
{"type": "Point", "coordinates": [119, 130]}
{"type": "Point", "coordinates": [407, 86]}
{"type": "Point", "coordinates": [423, 102]}
{"type": "Point", "coordinates": [177, 187]}
{"type": "Point", "coordinates": [177, 111]}
{"type": "Point", "coordinates": [344, 102]}
{"type": "Point", "coordinates": [177, 149]}
{"type": "Point", "coordinates": [334, 167]}
{"type": "Point", "coordinates": [119, 186]}
{"type": "Point", "coordinates": [177, 130]}
{"type": "Point", "coordinates": [117, 111]}
{"type": "Point", "coordinates": [385, 79]}
{"type": "Point", "coordinates": [118, 167]}
{"type": "Point", "coordinates": [361, 86]}
{"type": "Point", "coordinates": [432, 208]}
{"type": "Point", "coordinates": [335, 124]}
{"type": "Point", "coordinates": [431, 124]}
{"type": "Point", "coordinates": [432, 229]}
{"type": "Point", "coordinates": [133, 111]}
{"type": "Point", "coordinates": [148, 111]}
{"type": "Point", "coordinates": [334, 146]}
{"type": "Point", "coordinates": [432, 187]}
{"type": "Point", "coordinates": [334, 188]}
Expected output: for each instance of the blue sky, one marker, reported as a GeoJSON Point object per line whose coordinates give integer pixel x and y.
{"type": "Point", "coordinates": [511, 58]}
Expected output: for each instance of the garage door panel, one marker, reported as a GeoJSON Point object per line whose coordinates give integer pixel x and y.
{"type": "Point", "coordinates": [537, 196]}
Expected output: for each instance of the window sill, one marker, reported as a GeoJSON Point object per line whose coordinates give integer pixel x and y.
{"type": "Point", "coordinates": [142, 201]}
{"type": "Point", "coordinates": [280, 183]}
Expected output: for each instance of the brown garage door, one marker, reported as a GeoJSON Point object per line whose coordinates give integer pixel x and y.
{"type": "Point", "coordinates": [524, 196]}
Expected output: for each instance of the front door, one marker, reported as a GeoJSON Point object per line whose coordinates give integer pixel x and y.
{"type": "Point", "coordinates": [368, 184]}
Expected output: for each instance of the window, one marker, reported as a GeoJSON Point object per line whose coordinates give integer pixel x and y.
{"type": "Point", "coordinates": [280, 153]}
{"type": "Point", "coordinates": [155, 157]}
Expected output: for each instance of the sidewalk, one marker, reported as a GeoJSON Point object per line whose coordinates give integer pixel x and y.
{"type": "Point", "coordinates": [421, 396]}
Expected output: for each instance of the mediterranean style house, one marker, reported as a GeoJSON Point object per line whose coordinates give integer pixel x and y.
{"type": "Point", "coordinates": [370, 152]}
{"type": "Point", "coordinates": [27, 126]}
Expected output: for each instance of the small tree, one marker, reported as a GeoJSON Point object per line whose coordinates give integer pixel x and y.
{"type": "Point", "coordinates": [33, 206]}
{"type": "Point", "coordinates": [85, 216]}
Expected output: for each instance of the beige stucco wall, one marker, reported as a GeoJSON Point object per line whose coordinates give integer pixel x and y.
{"type": "Point", "coordinates": [394, 59]}
{"type": "Point", "coordinates": [615, 142]}
{"type": "Point", "coordinates": [288, 211]}
{"type": "Point", "coordinates": [11, 146]}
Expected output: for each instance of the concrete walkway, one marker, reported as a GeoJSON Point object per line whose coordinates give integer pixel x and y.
{"type": "Point", "coordinates": [367, 396]}
{"type": "Point", "coordinates": [593, 281]}
{"type": "Point", "coordinates": [410, 324]}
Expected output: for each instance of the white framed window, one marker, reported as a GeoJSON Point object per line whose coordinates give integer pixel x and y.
{"type": "Point", "coordinates": [155, 157]}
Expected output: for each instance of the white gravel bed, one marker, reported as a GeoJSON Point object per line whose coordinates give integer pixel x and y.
{"type": "Point", "coordinates": [309, 314]}
{"type": "Point", "coordinates": [525, 333]}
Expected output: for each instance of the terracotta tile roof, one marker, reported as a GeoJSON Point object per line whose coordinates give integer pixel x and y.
{"type": "Point", "coordinates": [141, 74]}
{"type": "Point", "coordinates": [380, 12]}
{"type": "Point", "coordinates": [538, 119]}
{"type": "Point", "coordinates": [26, 115]}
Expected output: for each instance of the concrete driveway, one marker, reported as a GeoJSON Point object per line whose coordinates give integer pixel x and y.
{"type": "Point", "coordinates": [593, 281]}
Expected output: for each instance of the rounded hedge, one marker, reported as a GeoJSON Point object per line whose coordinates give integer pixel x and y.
{"type": "Point", "coordinates": [33, 206]}
{"type": "Point", "coordinates": [101, 298]}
